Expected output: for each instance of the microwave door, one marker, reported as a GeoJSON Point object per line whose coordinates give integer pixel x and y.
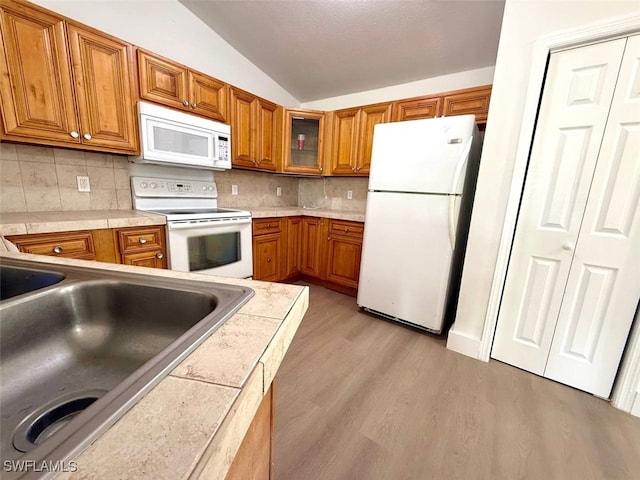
{"type": "Point", "coordinates": [169, 142]}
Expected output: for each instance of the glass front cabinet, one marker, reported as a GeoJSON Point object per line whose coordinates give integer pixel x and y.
{"type": "Point", "coordinates": [303, 142]}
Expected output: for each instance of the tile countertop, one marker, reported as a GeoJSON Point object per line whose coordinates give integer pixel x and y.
{"type": "Point", "coordinates": [20, 223]}
{"type": "Point", "coordinates": [191, 424]}
{"type": "Point", "coordinates": [263, 212]}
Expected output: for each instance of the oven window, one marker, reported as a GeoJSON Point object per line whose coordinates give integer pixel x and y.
{"type": "Point", "coordinates": [174, 141]}
{"type": "Point", "coordinates": [213, 250]}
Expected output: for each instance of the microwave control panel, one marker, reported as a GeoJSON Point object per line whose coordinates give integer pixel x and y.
{"type": "Point", "coordinates": [223, 148]}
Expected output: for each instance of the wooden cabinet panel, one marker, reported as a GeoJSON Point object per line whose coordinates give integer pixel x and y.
{"type": "Point", "coordinates": [312, 240]}
{"type": "Point", "coordinates": [262, 226]}
{"type": "Point", "coordinates": [268, 257]}
{"type": "Point", "coordinates": [417, 108]}
{"type": "Point", "coordinates": [242, 128]}
{"type": "Point", "coordinates": [254, 457]}
{"type": "Point", "coordinates": [208, 96]}
{"type": "Point", "coordinates": [310, 158]}
{"type": "Point", "coordinates": [142, 246]}
{"type": "Point", "coordinates": [35, 76]}
{"type": "Point", "coordinates": [77, 244]}
{"type": "Point", "coordinates": [293, 246]}
{"type": "Point", "coordinates": [267, 137]}
{"type": "Point", "coordinates": [162, 81]}
{"type": "Point", "coordinates": [469, 101]}
{"type": "Point", "coordinates": [344, 249]}
{"type": "Point", "coordinates": [101, 66]}
{"type": "Point", "coordinates": [345, 141]}
{"type": "Point", "coordinates": [370, 116]}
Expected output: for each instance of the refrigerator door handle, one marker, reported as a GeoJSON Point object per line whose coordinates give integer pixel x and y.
{"type": "Point", "coordinates": [452, 222]}
{"type": "Point", "coordinates": [462, 162]}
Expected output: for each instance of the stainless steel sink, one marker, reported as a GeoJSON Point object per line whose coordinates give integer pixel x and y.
{"type": "Point", "coordinates": [81, 347]}
{"type": "Point", "coordinates": [16, 281]}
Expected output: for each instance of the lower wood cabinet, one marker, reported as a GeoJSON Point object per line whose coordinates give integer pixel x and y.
{"type": "Point", "coordinates": [141, 246]}
{"type": "Point", "coordinates": [319, 250]}
{"type": "Point", "coordinates": [254, 457]}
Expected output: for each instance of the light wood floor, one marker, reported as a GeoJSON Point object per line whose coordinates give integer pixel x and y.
{"type": "Point", "coordinates": [363, 398]}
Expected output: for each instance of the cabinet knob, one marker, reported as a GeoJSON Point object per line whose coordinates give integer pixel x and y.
{"type": "Point", "coordinates": [57, 249]}
{"type": "Point", "coordinates": [268, 225]}
{"type": "Point", "coordinates": [320, 169]}
{"type": "Point", "coordinates": [143, 240]}
{"type": "Point", "coordinates": [87, 136]}
{"type": "Point", "coordinates": [185, 103]}
{"type": "Point", "coordinates": [268, 259]}
{"type": "Point", "coordinates": [329, 238]}
{"type": "Point", "coordinates": [346, 229]}
{"type": "Point", "coordinates": [353, 169]}
{"type": "Point", "coordinates": [568, 246]}
{"type": "Point", "coordinates": [194, 105]}
{"type": "Point", "coordinates": [74, 134]}
{"type": "Point", "coordinates": [159, 255]}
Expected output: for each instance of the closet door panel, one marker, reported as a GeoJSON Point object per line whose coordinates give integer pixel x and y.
{"type": "Point", "coordinates": [604, 284]}
{"type": "Point", "coordinates": [573, 113]}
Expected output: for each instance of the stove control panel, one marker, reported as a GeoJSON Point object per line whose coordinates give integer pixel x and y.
{"type": "Point", "coordinates": [163, 187]}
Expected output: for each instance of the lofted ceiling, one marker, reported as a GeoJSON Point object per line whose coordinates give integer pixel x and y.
{"type": "Point", "coordinates": [322, 49]}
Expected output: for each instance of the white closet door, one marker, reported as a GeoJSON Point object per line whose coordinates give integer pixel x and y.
{"type": "Point", "coordinates": [577, 96]}
{"type": "Point", "coordinates": [602, 293]}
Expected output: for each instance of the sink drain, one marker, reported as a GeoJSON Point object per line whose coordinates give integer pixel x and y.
{"type": "Point", "coordinates": [46, 421]}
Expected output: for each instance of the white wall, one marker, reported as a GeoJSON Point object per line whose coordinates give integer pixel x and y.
{"type": "Point", "coordinates": [523, 23]}
{"type": "Point", "coordinates": [443, 83]}
{"type": "Point", "coordinates": [168, 28]}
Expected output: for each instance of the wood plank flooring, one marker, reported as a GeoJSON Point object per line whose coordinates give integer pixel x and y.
{"type": "Point", "coordinates": [362, 398]}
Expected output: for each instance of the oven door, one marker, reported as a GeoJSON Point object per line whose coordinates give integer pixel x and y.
{"type": "Point", "coordinates": [214, 247]}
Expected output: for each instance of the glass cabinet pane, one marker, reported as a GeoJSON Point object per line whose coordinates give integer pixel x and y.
{"type": "Point", "coordinates": [304, 141]}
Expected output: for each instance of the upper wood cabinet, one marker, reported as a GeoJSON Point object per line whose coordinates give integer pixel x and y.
{"type": "Point", "coordinates": [417, 108]}
{"type": "Point", "coordinates": [256, 126]}
{"type": "Point", "coordinates": [473, 101]}
{"type": "Point", "coordinates": [174, 85]}
{"type": "Point", "coordinates": [63, 84]}
{"type": "Point", "coordinates": [352, 137]}
{"type": "Point", "coordinates": [303, 144]}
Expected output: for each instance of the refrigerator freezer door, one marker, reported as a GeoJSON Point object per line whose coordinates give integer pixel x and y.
{"type": "Point", "coordinates": [427, 156]}
{"type": "Point", "coordinates": [406, 257]}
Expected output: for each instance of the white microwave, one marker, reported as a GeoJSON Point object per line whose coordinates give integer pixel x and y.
{"type": "Point", "coordinates": [169, 137]}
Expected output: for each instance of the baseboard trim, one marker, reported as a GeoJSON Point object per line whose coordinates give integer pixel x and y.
{"type": "Point", "coordinates": [461, 343]}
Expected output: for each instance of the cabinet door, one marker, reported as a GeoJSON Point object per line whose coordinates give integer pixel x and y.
{"type": "Point", "coordinates": [294, 246]}
{"type": "Point", "coordinates": [151, 259]}
{"type": "Point", "coordinates": [312, 237]}
{"type": "Point", "coordinates": [345, 141]}
{"type": "Point", "coordinates": [162, 81]}
{"type": "Point", "coordinates": [208, 96]}
{"type": "Point", "coordinates": [35, 76]}
{"type": "Point", "coordinates": [267, 141]}
{"type": "Point", "coordinates": [370, 116]}
{"type": "Point", "coordinates": [242, 128]}
{"type": "Point", "coordinates": [303, 145]}
{"type": "Point", "coordinates": [268, 257]}
{"type": "Point", "coordinates": [103, 82]}
{"type": "Point", "coordinates": [470, 101]}
{"type": "Point", "coordinates": [343, 260]}
{"type": "Point", "coordinates": [417, 108]}
{"type": "Point", "coordinates": [77, 244]}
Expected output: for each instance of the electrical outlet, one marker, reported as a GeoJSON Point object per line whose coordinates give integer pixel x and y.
{"type": "Point", "coordinates": [349, 194]}
{"type": "Point", "coordinates": [234, 189]}
{"type": "Point", "coordinates": [83, 184]}
{"type": "Point", "coordinates": [278, 191]}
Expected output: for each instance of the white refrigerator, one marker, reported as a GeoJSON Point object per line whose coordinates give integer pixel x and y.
{"type": "Point", "coordinates": [421, 187]}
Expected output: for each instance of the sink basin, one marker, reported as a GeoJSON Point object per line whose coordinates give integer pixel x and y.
{"type": "Point", "coordinates": [16, 281]}
{"type": "Point", "coordinates": [77, 353]}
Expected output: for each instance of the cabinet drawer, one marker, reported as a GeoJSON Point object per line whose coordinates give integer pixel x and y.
{"type": "Point", "coordinates": [140, 239]}
{"type": "Point", "coordinates": [346, 228]}
{"type": "Point", "coordinates": [262, 226]}
{"type": "Point", "coordinates": [77, 244]}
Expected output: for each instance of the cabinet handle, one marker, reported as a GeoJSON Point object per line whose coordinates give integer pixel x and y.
{"type": "Point", "coordinates": [268, 259]}
{"type": "Point", "coordinates": [74, 134]}
{"type": "Point", "coordinates": [353, 169]}
{"type": "Point", "coordinates": [194, 105]}
{"type": "Point", "coordinates": [346, 229]}
{"type": "Point", "coordinates": [329, 238]}
{"type": "Point", "coordinates": [159, 255]}
{"type": "Point", "coordinates": [268, 225]}
{"type": "Point", "coordinates": [567, 246]}
{"type": "Point", "coordinates": [57, 249]}
{"type": "Point", "coordinates": [143, 240]}
{"type": "Point", "coordinates": [320, 169]}
{"type": "Point", "coordinates": [185, 103]}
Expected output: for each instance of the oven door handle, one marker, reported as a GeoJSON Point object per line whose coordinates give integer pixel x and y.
{"type": "Point", "coordinates": [190, 224]}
